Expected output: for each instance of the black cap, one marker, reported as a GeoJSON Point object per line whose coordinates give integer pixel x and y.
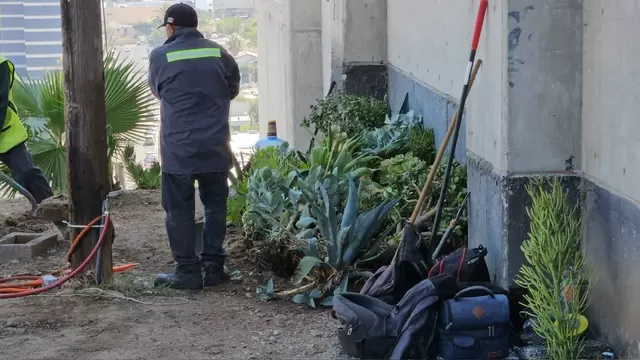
{"type": "Point", "coordinates": [181, 15]}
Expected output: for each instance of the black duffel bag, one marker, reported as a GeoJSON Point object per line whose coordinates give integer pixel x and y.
{"type": "Point", "coordinates": [374, 329]}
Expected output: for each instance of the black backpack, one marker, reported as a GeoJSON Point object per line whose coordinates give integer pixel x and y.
{"type": "Point", "coordinates": [464, 264]}
{"type": "Point", "coordinates": [374, 329]}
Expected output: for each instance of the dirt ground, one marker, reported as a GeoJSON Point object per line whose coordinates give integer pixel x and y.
{"type": "Point", "coordinates": [222, 323]}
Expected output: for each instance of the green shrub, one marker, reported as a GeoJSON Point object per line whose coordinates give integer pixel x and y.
{"type": "Point", "coordinates": [422, 143]}
{"type": "Point", "coordinates": [143, 178]}
{"type": "Point", "coordinates": [352, 113]}
{"type": "Point", "coordinates": [554, 273]}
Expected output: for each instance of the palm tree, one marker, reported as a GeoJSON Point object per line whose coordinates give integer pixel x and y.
{"type": "Point", "coordinates": [130, 115]}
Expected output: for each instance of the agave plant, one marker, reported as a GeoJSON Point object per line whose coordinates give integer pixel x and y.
{"type": "Point", "coordinates": [338, 155]}
{"type": "Point", "coordinates": [342, 239]}
{"type": "Point", "coordinates": [130, 115]}
{"type": "Point", "coordinates": [394, 138]}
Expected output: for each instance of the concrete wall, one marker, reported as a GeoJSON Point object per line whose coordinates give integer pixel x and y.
{"type": "Point", "coordinates": [290, 80]}
{"type": "Point", "coordinates": [611, 166]}
{"type": "Point", "coordinates": [354, 42]}
{"type": "Point", "coordinates": [428, 48]}
{"type": "Point", "coordinates": [555, 97]}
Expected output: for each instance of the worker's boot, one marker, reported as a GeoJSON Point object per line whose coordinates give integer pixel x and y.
{"type": "Point", "coordinates": [214, 274]}
{"type": "Point", "coordinates": [183, 277]}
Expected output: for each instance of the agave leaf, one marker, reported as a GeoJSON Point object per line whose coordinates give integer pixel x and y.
{"type": "Point", "coordinates": [312, 249]}
{"type": "Point", "coordinates": [316, 293]}
{"type": "Point", "coordinates": [350, 212]}
{"type": "Point", "coordinates": [344, 284]}
{"type": "Point", "coordinates": [327, 302]}
{"type": "Point", "coordinates": [367, 225]}
{"type": "Point", "coordinates": [358, 173]}
{"type": "Point", "coordinates": [342, 241]}
{"type": "Point", "coordinates": [306, 234]}
{"type": "Point", "coordinates": [318, 156]}
{"type": "Point", "coordinates": [300, 299]}
{"type": "Point", "coordinates": [311, 302]}
{"type": "Point", "coordinates": [331, 216]}
{"type": "Point", "coordinates": [305, 222]}
{"type": "Point", "coordinates": [342, 159]}
{"type": "Point", "coordinates": [271, 287]}
{"type": "Point", "coordinates": [307, 264]}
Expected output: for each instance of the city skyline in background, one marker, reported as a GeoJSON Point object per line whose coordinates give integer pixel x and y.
{"type": "Point", "coordinates": [31, 36]}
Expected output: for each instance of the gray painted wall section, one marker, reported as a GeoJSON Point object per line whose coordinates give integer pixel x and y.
{"type": "Point", "coordinates": [436, 108]}
{"type": "Point", "coordinates": [611, 226]}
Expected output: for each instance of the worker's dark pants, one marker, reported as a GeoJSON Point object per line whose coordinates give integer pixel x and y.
{"type": "Point", "coordinates": [178, 201]}
{"type": "Point", "coordinates": [25, 173]}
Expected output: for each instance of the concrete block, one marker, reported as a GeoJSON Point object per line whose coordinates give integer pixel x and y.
{"type": "Point", "coordinates": [22, 246]}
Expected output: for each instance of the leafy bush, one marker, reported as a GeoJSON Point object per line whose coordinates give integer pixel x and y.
{"type": "Point", "coordinates": [422, 143]}
{"type": "Point", "coordinates": [555, 273]}
{"type": "Point", "coordinates": [402, 177]}
{"type": "Point", "coordinates": [143, 178]}
{"type": "Point", "coordinates": [352, 113]}
{"type": "Point", "coordinates": [325, 214]}
{"type": "Point", "coordinates": [278, 159]}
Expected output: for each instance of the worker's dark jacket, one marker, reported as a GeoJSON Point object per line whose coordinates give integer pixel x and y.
{"type": "Point", "coordinates": [195, 80]}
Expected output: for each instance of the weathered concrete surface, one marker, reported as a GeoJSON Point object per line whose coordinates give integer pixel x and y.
{"type": "Point", "coordinates": [21, 246]}
{"type": "Point", "coordinates": [290, 64]}
{"type": "Point", "coordinates": [610, 162]}
{"type": "Point", "coordinates": [499, 218]}
{"type": "Point", "coordinates": [544, 50]}
{"type": "Point", "coordinates": [540, 128]}
{"type": "Point", "coordinates": [436, 107]}
{"type": "Point", "coordinates": [354, 46]}
{"type": "Point", "coordinates": [428, 47]}
{"type": "Point", "coordinates": [611, 236]}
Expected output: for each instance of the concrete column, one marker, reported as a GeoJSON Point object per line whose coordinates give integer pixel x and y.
{"type": "Point", "coordinates": [289, 63]}
{"type": "Point", "coordinates": [354, 41]}
{"type": "Point", "coordinates": [539, 129]}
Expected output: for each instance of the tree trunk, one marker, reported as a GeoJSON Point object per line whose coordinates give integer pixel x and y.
{"type": "Point", "coordinates": [85, 118]}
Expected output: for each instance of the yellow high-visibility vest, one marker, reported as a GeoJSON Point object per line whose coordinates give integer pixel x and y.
{"type": "Point", "coordinates": [13, 132]}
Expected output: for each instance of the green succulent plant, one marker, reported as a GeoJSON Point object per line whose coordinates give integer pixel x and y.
{"type": "Point", "coordinates": [340, 239]}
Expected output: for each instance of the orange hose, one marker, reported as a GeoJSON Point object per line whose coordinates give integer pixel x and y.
{"type": "Point", "coordinates": [31, 285]}
{"type": "Point", "coordinates": [12, 291]}
{"type": "Point", "coordinates": [101, 239]}
{"type": "Point", "coordinates": [80, 236]}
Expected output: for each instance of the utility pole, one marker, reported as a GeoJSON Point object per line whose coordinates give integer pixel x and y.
{"type": "Point", "coordinates": [86, 128]}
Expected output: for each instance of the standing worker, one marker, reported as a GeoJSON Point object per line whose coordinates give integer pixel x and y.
{"type": "Point", "coordinates": [195, 80]}
{"type": "Point", "coordinates": [13, 135]}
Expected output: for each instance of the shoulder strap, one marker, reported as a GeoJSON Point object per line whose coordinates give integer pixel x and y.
{"type": "Point", "coordinates": [12, 70]}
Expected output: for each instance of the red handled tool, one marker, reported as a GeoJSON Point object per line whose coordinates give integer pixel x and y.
{"type": "Point", "coordinates": [482, 10]}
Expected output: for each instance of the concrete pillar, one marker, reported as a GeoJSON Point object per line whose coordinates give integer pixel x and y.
{"type": "Point", "coordinates": [538, 131]}
{"type": "Point", "coordinates": [289, 63]}
{"type": "Point", "coordinates": [354, 42]}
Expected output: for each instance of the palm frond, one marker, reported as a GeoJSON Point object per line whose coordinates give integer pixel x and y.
{"type": "Point", "coordinates": [130, 111]}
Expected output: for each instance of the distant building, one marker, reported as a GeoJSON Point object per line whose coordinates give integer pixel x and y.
{"type": "Point", "coordinates": [31, 36]}
{"type": "Point", "coordinates": [229, 8]}
{"type": "Point", "coordinates": [248, 64]}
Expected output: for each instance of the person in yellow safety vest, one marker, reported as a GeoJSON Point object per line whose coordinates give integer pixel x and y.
{"type": "Point", "coordinates": [13, 136]}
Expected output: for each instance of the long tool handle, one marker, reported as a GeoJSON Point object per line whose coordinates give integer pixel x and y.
{"type": "Point", "coordinates": [443, 147]}
{"type": "Point", "coordinates": [463, 100]}
{"type": "Point", "coordinates": [449, 230]}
